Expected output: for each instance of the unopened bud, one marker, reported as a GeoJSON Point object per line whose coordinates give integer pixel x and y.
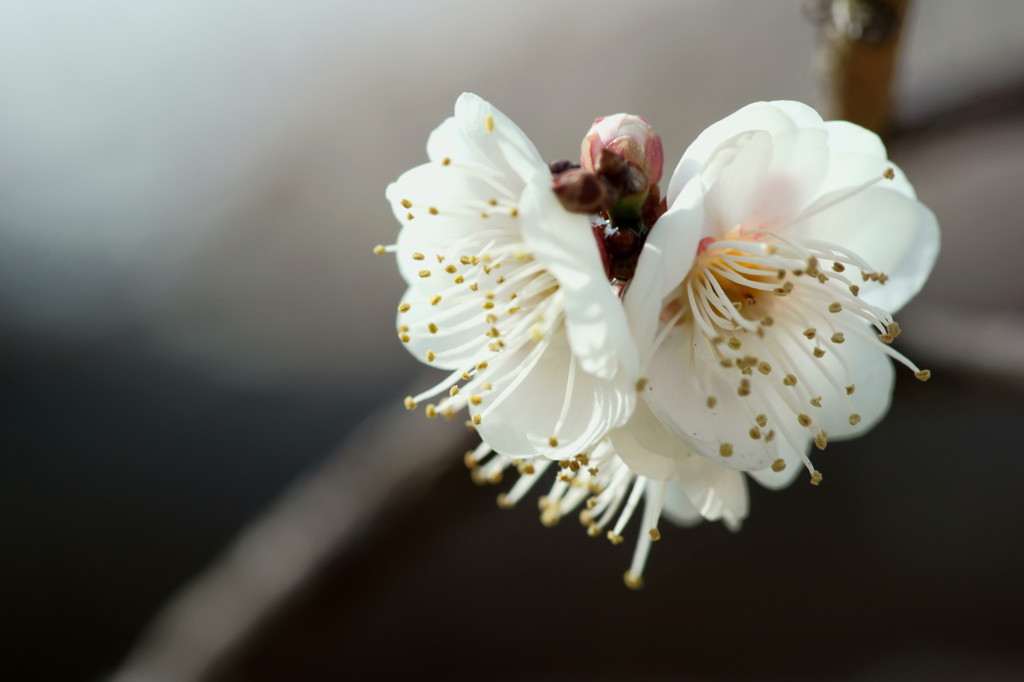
{"type": "Point", "coordinates": [628, 136]}
{"type": "Point", "coordinates": [583, 192]}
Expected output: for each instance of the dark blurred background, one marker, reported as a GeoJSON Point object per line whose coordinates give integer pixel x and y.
{"type": "Point", "coordinates": [191, 321]}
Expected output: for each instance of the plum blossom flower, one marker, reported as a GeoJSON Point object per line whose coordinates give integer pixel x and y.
{"type": "Point", "coordinates": [763, 300]}
{"type": "Point", "coordinates": [507, 291]}
{"type": "Point", "coordinates": [783, 241]}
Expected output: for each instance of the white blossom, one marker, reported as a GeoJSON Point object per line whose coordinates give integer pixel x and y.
{"type": "Point", "coordinates": [507, 291]}
{"type": "Point", "coordinates": [763, 301]}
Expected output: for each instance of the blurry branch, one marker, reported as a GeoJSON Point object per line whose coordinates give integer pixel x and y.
{"type": "Point", "coordinates": [860, 44]}
{"type": "Point", "coordinates": [389, 461]}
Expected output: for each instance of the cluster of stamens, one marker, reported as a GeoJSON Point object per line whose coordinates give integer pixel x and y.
{"type": "Point", "coordinates": [597, 480]}
{"type": "Point", "coordinates": [759, 295]}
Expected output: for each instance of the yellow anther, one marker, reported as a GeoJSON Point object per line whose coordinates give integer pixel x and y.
{"type": "Point", "coordinates": [810, 332]}
{"type": "Point", "coordinates": [404, 338]}
{"type": "Point", "coordinates": [481, 366]}
{"type": "Point", "coordinates": [380, 249]}
{"type": "Point", "coordinates": [816, 477]}
{"type": "Point", "coordinates": [816, 401]}
{"type": "Point", "coordinates": [424, 273]}
{"type": "Point", "coordinates": [404, 308]}
{"type": "Point", "coordinates": [454, 391]}
{"type": "Point", "coordinates": [641, 383]}
{"type": "Point", "coordinates": [489, 123]}
{"type": "Point", "coordinates": [764, 368]}
{"type": "Point", "coordinates": [459, 279]}
{"type": "Point", "coordinates": [613, 538]}
{"type": "Point", "coordinates": [923, 375]}
{"type": "Point", "coordinates": [476, 419]}
{"type": "Point", "coordinates": [725, 449]}
{"type": "Point", "coordinates": [838, 337]}
{"type": "Point", "coordinates": [850, 389]}
{"type": "Point", "coordinates": [762, 420]}
{"type": "Point", "coordinates": [838, 267]}
{"type": "Point", "coordinates": [431, 411]}
{"type": "Point", "coordinates": [712, 401]}
{"type": "Point", "coordinates": [818, 352]}
{"type": "Point", "coordinates": [889, 173]}
{"type": "Point", "coordinates": [446, 161]}
{"type": "Point", "coordinates": [418, 256]}
{"type": "Point", "coordinates": [553, 442]}
{"type": "Point", "coordinates": [406, 203]}
{"type": "Point", "coordinates": [821, 440]}
{"type": "Point", "coordinates": [755, 432]}
{"type": "Point", "coordinates": [433, 210]}
{"type": "Point", "coordinates": [734, 343]}
{"type": "Point", "coordinates": [768, 437]}
{"type": "Point", "coordinates": [410, 404]}
{"type": "Point", "coordinates": [633, 581]}
{"type": "Point", "coordinates": [655, 534]}
{"type": "Point", "coordinates": [409, 216]}
{"type": "Point", "coordinates": [854, 419]}
{"type": "Point", "coordinates": [778, 465]}
{"type": "Point", "coordinates": [430, 356]}
{"type": "Point", "coordinates": [789, 380]}
{"type": "Point", "coordinates": [487, 305]}
{"type": "Point", "coordinates": [504, 502]}
{"type": "Point", "coordinates": [854, 289]}
{"type": "Point", "coordinates": [803, 420]}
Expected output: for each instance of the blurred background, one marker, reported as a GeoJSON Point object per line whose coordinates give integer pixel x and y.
{"type": "Point", "coordinates": [192, 325]}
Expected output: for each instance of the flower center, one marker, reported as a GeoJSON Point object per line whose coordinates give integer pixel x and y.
{"type": "Point", "coordinates": [766, 310]}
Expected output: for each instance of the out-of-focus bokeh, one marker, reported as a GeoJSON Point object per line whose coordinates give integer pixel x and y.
{"type": "Point", "coordinates": [190, 317]}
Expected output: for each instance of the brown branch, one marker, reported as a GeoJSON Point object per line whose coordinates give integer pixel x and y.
{"type": "Point", "coordinates": [860, 44]}
{"type": "Point", "coordinates": [389, 461]}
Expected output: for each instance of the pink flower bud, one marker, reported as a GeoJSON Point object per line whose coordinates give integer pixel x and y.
{"type": "Point", "coordinates": [629, 136]}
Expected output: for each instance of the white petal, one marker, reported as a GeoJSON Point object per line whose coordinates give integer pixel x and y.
{"type": "Point", "coordinates": [858, 155]}
{"type": "Point", "coordinates": [646, 447]}
{"type": "Point", "coordinates": [667, 256]}
{"type": "Point", "coordinates": [711, 491]}
{"type": "Point", "coordinates": [677, 508]}
{"type": "Point", "coordinates": [680, 402]}
{"type": "Point", "coordinates": [564, 243]}
{"type": "Point", "coordinates": [870, 372]}
{"type": "Point", "coordinates": [734, 177]}
{"type": "Point", "coordinates": [893, 233]}
{"type": "Point", "coordinates": [776, 480]}
{"type": "Point", "coordinates": [447, 141]}
{"type": "Point", "coordinates": [717, 492]}
{"type": "Point", "coordinates": [799, 159]}
{"type": "Point", "coordinates": [496, 138]}
{"type": "Point", "coordinates": [758, 116]}
{"type": "Point", "coordinates": [519, 421]}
